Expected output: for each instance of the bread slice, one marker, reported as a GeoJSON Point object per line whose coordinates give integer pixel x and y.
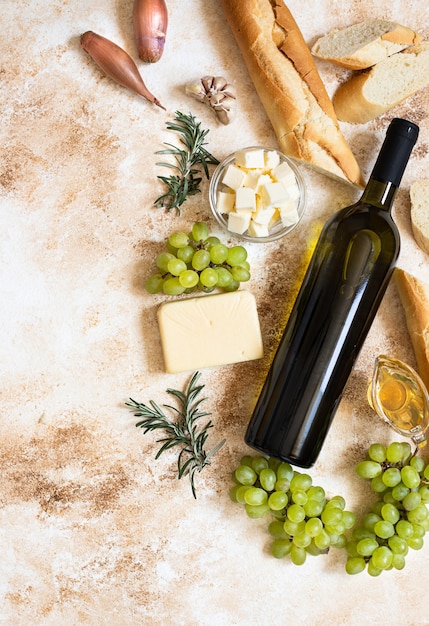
{"type": "Point", "coordinates": [364, 44]}
{"type": "Point", "coordinates": [414, 296]}
{"type": "Point", "coordinates": [286, 79]}
{"type": "Point", "coordinates": [377, 90]}
{"type": "Point", "coordinates": [419, 195]}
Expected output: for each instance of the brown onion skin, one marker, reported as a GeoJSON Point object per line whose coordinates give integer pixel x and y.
{"type": "Point", "coordinates": [116, 64]}
{"type": "Point", "coordinates": [150, 19]}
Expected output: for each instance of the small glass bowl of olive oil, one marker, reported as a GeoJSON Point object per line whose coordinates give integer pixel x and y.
{"type": "Point", "coordinates": [398, 395]}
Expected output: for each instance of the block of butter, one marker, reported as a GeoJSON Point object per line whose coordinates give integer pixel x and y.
{"type": "Point", "coordinates": [209, 330]}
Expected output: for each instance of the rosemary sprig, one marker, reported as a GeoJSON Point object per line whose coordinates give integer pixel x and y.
{"type": "Point", "coordinates": [187, 162]}
{"type": "Point", "coordinates": [182, 432]}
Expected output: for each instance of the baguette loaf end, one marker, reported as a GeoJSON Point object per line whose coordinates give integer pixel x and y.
{"type": "Point", "coordinates": [414, 296]}
{"type": "Point", "coordinates": [419, 196]}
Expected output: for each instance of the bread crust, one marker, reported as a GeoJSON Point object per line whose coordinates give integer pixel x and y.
{"type": "Point", "coordinates": [392, 38]}
{"type": "Point", "coordinates": [419, 196]}
{"type": "Point", "coordinates": [289, 86]}
{"type": "Point", "coordinates": [350, 101]}
{"type": "Point", "coordinates": [414, 296]}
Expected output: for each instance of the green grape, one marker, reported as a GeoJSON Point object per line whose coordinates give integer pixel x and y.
{"type": "Point", "coordinates": [236, 255]}
{"type": "Point", "coordinates": [313, 508]}
{"type": "Point", "coordinates": [200, 260]}
{"type": "Point", "coordinates": [240, 493]}
{"type": "Point", "coordinates": [384, 529]}
{"type": "Point", "coordinates": [259, 463]}
{"type": "Point", "coordinates": [256, 511]}
{"type": "Point", "coordinates": [339, 542]}
{"type": "Point", "coordinates": [300, 481]}
{"type": "Point", "coordinates": [398, 561]}
{"type": "Point", "coordinates": [377, 452]}
{"type": "Point", "coordinates": [298, 555]}
{"type": "Point", "coordinates": [418, 463]}
{"type": "Point", "coordinates": [208, 277]}
{"type": "Point", "coordinates": [233, 493]}
{"type": "Point", "coordinates": [418, 530]}
{"type": "Point", "coordinates": [267, 478]}
{"type": "Point", "coordinates": [406, 450]}
{"type": "Point", "coordinates": [299, 496]}
{"type": "Point", "coordinates": [285, 470]}
{"type": "Point", "coordinates": [233, 285]}
{"type": "Point", "coordinates": [331, 516]}
{"type": "Point", "coordinates": [388, 498]}
{"type": "Point", "coordinates": [322, 540]}
{"type": "Point", "coordinates": [200, 231]}
{"type": "Point", "coordinates": [185, 254]}
{"type": "Point", "coordinates": [415, 543]}
{"type": "Point", "coordinates": [377, 484]}
{"type": "Point", "coordinates": [390, 513]}
{"type": "Point", "coordinates": [240, 274]}
{"type": "Point", "coordinates": [424, 493]}
{"type": "Point", "coordinates": [245, 475]}
{"type": "Point", "coordinates": [154, 283]}
{"type": "Point", "coordinates": [411, 500]}
{"type": "Point", "coordinates": [398, 545]}
{"type": "Point", "coordinates": [426, 472]}
{"type": "Point", "coordinates": [282, 485]}
{"type": "Point", "coordinates": [211, 241]}
{"type": "Point", "coordinates": [382, 557]}
{"type": "Point", "coordinates": [172, 287]}
{"type": "Point", "coordinates": [370, 520]}
{"type": "Point", "coordinates": [372, 570]}
{"type": "Point", "coordinates": [276, 530]}
{"type": "Point", "coordinates": [365, 547]}
{"type": "Point", "coordinates": [293, 528]}
{"type": "Point", "coordinates": [313, 549]}
{"type": "Point", "coordinates": [410, 477]}
{"type": "Point", "coordinates": [355, 565]}
{"type": "Point", "coordinates": [295, 513]}
{"type": "Point", "coordinates": [273, 463]}
{"type": "Point", "coordinates": [349, 519]}
{"type": "Point", "coordinates": [316, 493]}
{"type": "Point", "coordinates": [302, 540]}
{"type": "Point", "coordinates": [400, 491]}
{"type": "Point", "coordinates": [178, 240]}
{"type": "Point", "coordinates": [176, 266]}
{"type": "Point", "coordinates": [351, 548]}
{"type": "Point", "coordinates": [404, 529]}
{"type": "Point", "coordinates": [360, 532]}
{"type": "Point", "coordinates": [218, 253]}
{"type": "Point", "coordinates": [314, 526]}
{"type": "Point", "coordinates": [368, 469]}
{"type": "Point", "coordinates": [417, 515]}
{"type": "Point", "coordinates": [281, 547]}
{"type": "Point", "coordinates": [255, 496]}
{"type": "Point", "coordinates": [391, 477]}
{"type": "Point", "coordinates": [247, 460]}
{"type": "Point", "coordinates": [189, 278]}
{"type": "Point", "coordinates": [162, 261]}
{"type": "Point", "coordinates": [277, 500]}
{"type": "Point", "coordinates": [394, 452]}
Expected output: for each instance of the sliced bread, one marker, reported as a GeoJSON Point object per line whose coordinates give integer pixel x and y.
{"type": "Point", "coordinates": [414, 296]}
{"type": "Point", "coordinates": [377, 90]}
{"type": "Point", "coordinates": [419, 195]}
{"type": "Point", "coordinates": [364, 44]}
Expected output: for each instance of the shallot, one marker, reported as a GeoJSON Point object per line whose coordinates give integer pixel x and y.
{"type": "Point", "coordinates": [116, 64]}
{"type": "Point", "coordinates": [150, 19]}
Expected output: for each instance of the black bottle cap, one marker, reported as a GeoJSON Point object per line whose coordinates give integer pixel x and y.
{"type": "Point", "coordinates": [392, 160]}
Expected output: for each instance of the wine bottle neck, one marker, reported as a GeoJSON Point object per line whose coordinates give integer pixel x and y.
{"type": "Point", "coordinates": [380, 194]}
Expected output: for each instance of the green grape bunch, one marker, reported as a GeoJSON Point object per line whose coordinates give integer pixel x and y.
{"type": "Point", "coordinates": [303, 521]}
{"type": "Point", "coordinates": [399, 519]}
{"type": "Point", "coordinates": [198, 261]}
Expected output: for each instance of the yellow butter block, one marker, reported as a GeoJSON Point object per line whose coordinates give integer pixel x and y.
{"type": "Point", "coordinates": [210, 330]}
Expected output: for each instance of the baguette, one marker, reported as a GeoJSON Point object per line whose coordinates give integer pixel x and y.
{"type": "Point", "coordinates": [419, 196]}
{"type": "Point", "coordinates": [414, 296]}
{"type": "Point", "coordinates": [373, 92]}
{"type": "Point", "coordinates": [289, 86]}
{"type": "Point", "coordinates": [364, 44]}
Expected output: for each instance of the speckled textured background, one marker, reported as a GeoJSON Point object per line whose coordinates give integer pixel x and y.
{"type": "Point", "coordinates": [93, 530]}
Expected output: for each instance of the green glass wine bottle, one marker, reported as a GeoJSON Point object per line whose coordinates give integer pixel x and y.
{"type": "Point", "coordinates": [341, 292]}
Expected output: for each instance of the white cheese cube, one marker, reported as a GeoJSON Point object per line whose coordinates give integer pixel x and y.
{"type": "Point", "coordinates": [293, 191]}
{"type": "Point", "coordinates": [284, 173]}
{"type": "Point", "coordinates": [250, 158]}
{"type": "Point", "coordinates": [272, 159]}
{"type": "Point", "coordinates": [263, 214]}
{"type": "Point", "coordinates": [252, 178]}
{"type": "Point", "coordinates": [263, 179]}
{"type": "Point", "coordinates": [233, 177]}
{"type": "Point", "coordinates": [258, 230]}
{"type": "Point", "coordinates": [245, 200]}
{"type": "Point", "coordinates": [289, 214]}
{"type": "Point", "coordinates": [225, 201]}
{"type": "Point", "coordinates": [210, 330]}
{"type": "Point", "coordinates": [274, 194]}
{"type": "Point", "coordinates": [238, 222]}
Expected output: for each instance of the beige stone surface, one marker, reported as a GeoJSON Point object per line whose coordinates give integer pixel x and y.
{"type": "Point", "coordinates": [93, 529]}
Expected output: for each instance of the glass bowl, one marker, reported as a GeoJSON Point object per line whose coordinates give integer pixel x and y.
{"type": "Point", "coordinates": [276, 228]}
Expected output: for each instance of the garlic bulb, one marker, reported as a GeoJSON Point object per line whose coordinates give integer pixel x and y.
{"type": "Point", "coordinates": [217, 93]}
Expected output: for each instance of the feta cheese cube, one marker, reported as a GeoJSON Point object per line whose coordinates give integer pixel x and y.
{"type": "Point", "coordinates": [293, 191]}
{"type": "Point", "coordinates": [258, 230]}
{"type": "Point", "coordinates": [245, 199]}
{"type": "Point", "coordinates": [250, 158]}
{"type": "Point", "coordinates": [238, 222]}
{"type": "Point", "coordinates": [225, 201]}
{"type": "Point", "coordinates": [233, 177]}
{"type": "Point", "coordinates": [274, 194]}
{"type": "Point", "coordinates": [263, 214]}
{"type": "Point", "coordinates": [283, 173]}
{"type": "Point", "coordinates": [272, 159]}
{"type": "Point", "coordinates": [252, 178]}
{"type": "Point", "coordinates": [263, 179]}
{"type": "Point", "coordinates": [289, 214]}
